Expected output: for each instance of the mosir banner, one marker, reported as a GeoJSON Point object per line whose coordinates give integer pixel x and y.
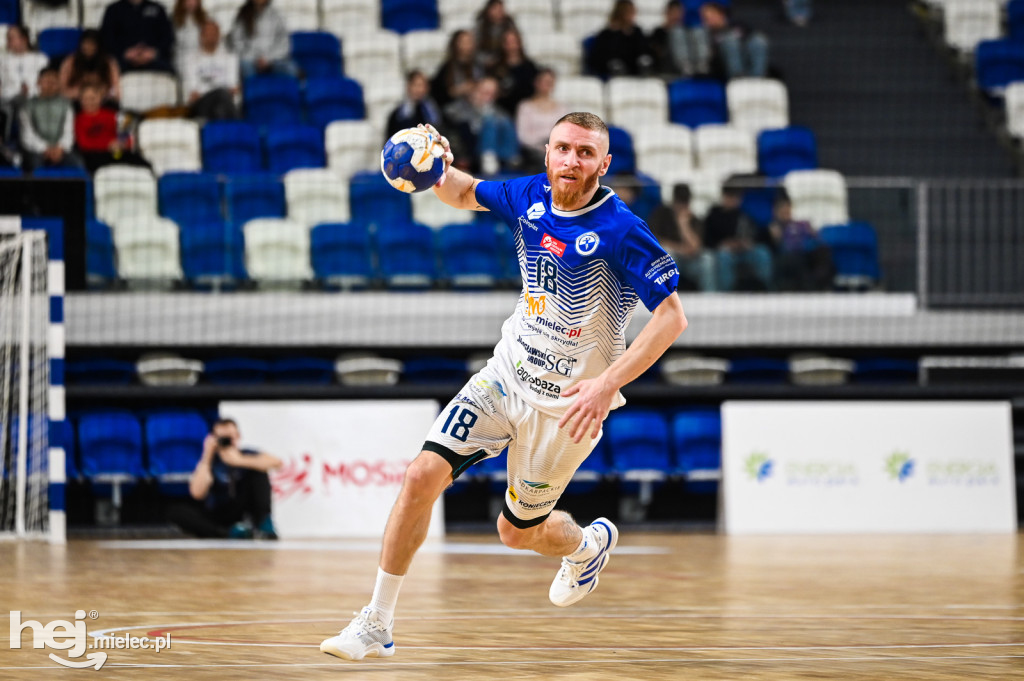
{"type": "Point", "coordinates": [867, 467]}
{"type": "Point", "coordinates": [343, 461]}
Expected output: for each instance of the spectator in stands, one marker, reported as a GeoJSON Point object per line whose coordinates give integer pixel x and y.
{"type": "Point", "coordinates": [46, 124]}
{"type": "Point", "coordinates": [486, 133]}
{"type": "Point", "coordinates": [515, 72]}
{"type": "Point", "coordinates": [678, 50]}
{"type": "Point", "coordinates": [803, 262]}
{"type": "Point", "coordinates": [416, 108]}
{"type": "Point", "coordinates": [797, 11]}
{"type": "Point", "coordinates": [260, 37]}
{"type": "Point", "coordinates": [492, 23]}
{"type": "Point", "coordinates": [741, 261]}
{"type": "Point", "coordinates": [737, 50]}
{"type": "Point", "coordinates": [209, 77]}
{"type": "Point", "coordinates": [459, 72]}
{"type": "Point", "coordinates": [229, 489]}
{"type": "Point", "coordinates": [621, 48]}
{"type": "Point", "coordinates": [535, 118]}
{"type": "Point", "coordinates": [97, 135]}
{"type": "Point", "coordinates": [188, 18]}
{"type": "Point", "coordinates": [680, 234]}
{"type": "Point", "coordinates": [139, 35]}
{"type": "Point", "coordinates": [19, 68]}
{"type": "Point", "coordinates": [90, 64]}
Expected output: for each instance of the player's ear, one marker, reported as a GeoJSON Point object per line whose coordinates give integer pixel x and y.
{"type": "Point", "coordinates": [604, 165]}
{"type": "Point", "coordinates": [547, 148]}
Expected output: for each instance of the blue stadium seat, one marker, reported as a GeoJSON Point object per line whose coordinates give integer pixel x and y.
{"type": "Point", "coordinates": [213, 254]}
{"type": "Point", "coordinates": [295, 146]}
{"type": "Point", "coordinates": [272, 100]}
{"type": "Point", "coordinates": [691, 11]}
{"type": "Point", "coordinates": [638, 440]}
{"type": "Point", "coordinates": [100, 372]}
{"type": "Point", "coordinates": [434, 370]}
{"type": "Point", "coordinates": [258, 195]}
{"type": "Point", "coordinates": [506, 249]}
{"type": "Point", "coordinates": [99, 254]}
{"type": "Point", "coordinates": [375, 202]}
{"type": "Point", "coordinates": [10, 172]}
{"type": "Point", "coordinates": [786, 149]}
{"type": "Point", "coordinates": [174, 443]}
{"type": "Point", "coordinates": [71, 466]}
{"type": "Point", "coordinates": [648, 196]}
{"type": "Point", "coordinates": [402, 16]}
{"type": "Point", "coordinates": [57, 43]}
{"type": "Point", "coordinates": [759, 204]}
{"type": "Point", "coordinates": [697, 102]}
{"type": "Point", "coordinates": [342, 254]}
{"type": "Point", "coordinates": [60, 173]}
{"type": "Point", "coordinates": [237, 370]}
{"type": "Point", "coordinates": [190, 198]}
{"type": "Point", "coordinates": [231, 147]}
{"type": "Point", "coordinates": [470, 256]}
{"type": "Point", "coordinates": [854, 252]}
{"type": "Point", "coordinates": [317, 53]}
{"type": "Point", "coordinates": [333, 99]}
{"type": "Point", "coordinates": [620, 146]}
{"type": "Point", "coordinates": [406, 255]}
{"type": "Point", "coordinates": [10, 12]}
{"type": "Point", "coordinates": [997, 63]}
{"type": "Point", "coordinates": [698, 443]}
{"type": "Point", "coordinates": [110, 445]}
{"type": "Point", "coordinates": [761, 370]}
{"type": "Point", "coordinates": [1015, 20]}
{"type": "Point", "coordinates": [885, 370]}
{"type": "Point", "coordinates": [304, 370]}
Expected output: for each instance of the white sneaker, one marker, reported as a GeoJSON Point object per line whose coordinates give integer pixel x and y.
{"type": "Point", "coordinates": [576, 580]}
{"type": "Point", "coordinates": [365, 636]}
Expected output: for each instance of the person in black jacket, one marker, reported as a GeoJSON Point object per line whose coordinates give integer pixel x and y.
{"type": "Point", "coordinates": [139, 35]}
{"type": "Point", "coordinates": [621, 49]}
{"type": "Point", "coordinates": [416, 108]}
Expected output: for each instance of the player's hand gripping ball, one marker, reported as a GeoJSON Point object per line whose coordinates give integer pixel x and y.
{"type": "Point", "coordinates": [413, 160]}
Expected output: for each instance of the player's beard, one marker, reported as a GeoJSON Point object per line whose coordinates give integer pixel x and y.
{"type": "Point", "coordinates": [566, 198]}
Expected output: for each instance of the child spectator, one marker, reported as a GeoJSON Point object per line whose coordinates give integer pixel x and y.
{"type": "Point", "coordinates": [260, 37]}
{"type": "Point", "coordinates": [19, 67]}
{"type": "Point", "coordinates": [536, 116]}
{"type": "Point", "coordinates": [678, 50]}
{"type": "Point", "coordinates": [47, 126]}
{"type": "Point", "coordinates": [492, 23]}
{"type": "Point", "coordinates": [740, 260]}
{"type": "Point", "coordinates": [803, 262]}
{"type": "Point", "coordinates": [459, 72]}
{"type": "Point", "coordinates": [209, 77]}
{"type": "Point", "coordinates": [416, 108]}
{"type": "Point", "coordinates": [97, 134]}
{"type": "Point", "coordinates": [621, 49]}
{"type": "Point", "coordinates": [515, 72]}
{"type": "Point", "coordinates": [187, 17]}
{"type": "Point", "coordinates": [90, 65]}
{"type": "Point", "coordinates": [738, 50]}
{"type": "Point", "coordinates": [139, 35]}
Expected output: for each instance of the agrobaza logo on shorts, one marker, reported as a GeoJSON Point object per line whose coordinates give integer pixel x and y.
{"type": "Point", "coordinates": [538, 385]}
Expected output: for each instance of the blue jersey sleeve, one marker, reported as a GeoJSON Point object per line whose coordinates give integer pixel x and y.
{"type": "Point", "coordinates": [646, 266]}
{"type": "Point", "coordinates": [505, 199]}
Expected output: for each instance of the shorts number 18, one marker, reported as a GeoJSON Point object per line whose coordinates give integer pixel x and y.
{"type": "Point", "coordinates": [465, 421]}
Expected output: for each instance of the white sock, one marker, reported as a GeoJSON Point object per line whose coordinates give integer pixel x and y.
{"type": "Point", "coordinates": [385, 594]}
{"type": "Point", "coordinates": [587, 549]}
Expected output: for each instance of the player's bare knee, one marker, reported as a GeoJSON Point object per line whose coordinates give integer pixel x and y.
{"type": "Point", "coordinates": [514, 537]}
{"type": "Point", "coordinates": [426, 477]}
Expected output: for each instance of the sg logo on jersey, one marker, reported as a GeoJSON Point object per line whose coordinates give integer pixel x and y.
{"type": "Point", "coordinates": [587, 243]}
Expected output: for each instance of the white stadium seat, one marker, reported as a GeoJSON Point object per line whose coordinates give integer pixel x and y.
{"type": "Point", "coordinates": [351, 146]}
{"type": "Point", "coordinates": [299, 15]}
{"type": "Point", "coordinates": [705, 191]}
{"type": "Point", "coordinates": [277, 251]}
{"type": "Point", "coordinates": [424, 51]}
{"type": "Point", "coordinates": [665, 152]}
{"type": "Point", "coordinates": [457, 14]}
{"type": "Point", "coordinates": [650, 14]}
{"type": "Point", "coordinates": [123, 193]}
{"type": "Point", "coordinates": [968, 22]}
{"type": "Point", "coordinates": [381, 95]}
{"type": "Point", "coordinates": [583, 18]}
{"type": "Point", "coordinates": [1014, 98]}
{"type": "Point", "coordinates": [37, 16]}
{"type": "Point", "coordinates": [145, 90]}
{"type": "Point", "coordinates": [532, 15]}
{"type": "Point", "coordinates": [170, 144]}
{"type": "Point", "coordinates": [316, 195]}
{"type": "Point", "coordinates": [147, 250]}
{"type": "Point", "coordinates": [350, 17]}
{"type": "Point", "coordinates": [372, 56]}
{"type": "Point", "coordinates": [559, 51]}
{"type": "Point", "coordinates": [428, 210]}
{"type": "Point", "coordinates": [818, 196]}
{"type": "Point", "coordinates": [581, 93]}
{"type": "Point", "coordinates": [725, 150]}
{"type": "Point", "coordinates": [637, 98]}
{"type": "Point", "coordinates": [757, 104]}
{"type": "Point", "coordinates": [92, 12]}
{"type": "Point", "coordinates": [223, 12]}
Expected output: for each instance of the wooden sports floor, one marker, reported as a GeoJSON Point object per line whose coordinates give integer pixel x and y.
{"type": "Point", "coordinates": [669, 606]}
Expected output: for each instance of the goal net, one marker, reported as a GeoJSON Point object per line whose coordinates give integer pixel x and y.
{"type": "Point", "coordinates": [24, 380]}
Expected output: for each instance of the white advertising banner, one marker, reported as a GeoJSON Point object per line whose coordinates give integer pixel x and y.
{"type": "Point", "coordinates": [806, 467]}
{"type": "Point", "coordinates": [343, 461]}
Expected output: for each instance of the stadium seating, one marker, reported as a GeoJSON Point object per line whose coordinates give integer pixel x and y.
{"type": "Point", "coordinates": [231, 147]}
{"type": "Point", "coordinates": [10, 13]}
{"type": "Point", "coordinates": [697, 436]}
{"type": "Point", "coordinates": [277, 252]}
{"type": "Point", "coordinates": [143, 91]}
{"type": "Point", "coordinates": [787, 149]}
{"type": "Point", "coordinates": [124, 192]}
{"type": "Point", "coordinates": [507, 251]}
{"type": "Point", "coordinates": [694, 103]}
{"type": "Point", "coordinates": [342, 255]}
{"type": "Point", "coordinates": [352, 146]}
{"type": "Point", "coordinates": [428, 210]}
{"type": "Point", "coordinates": [376, 202]}
{"type": "Point", "coordinates": [724, 150]}
{"type": "Point", "coordinates": [58, 42]}
{"type": "Point", "coordinates": [640, 448]}
{"type": "Point", "coordinates": [174, 443]}
{"type": "Point", "coordinates": [39, 16]}
{"type": "Point", "coordinates": [581, 93]}
{"type": "Point", "coordinates": [424, 50]}
{"type": "Point", "coordinates": [257, 195]}
{"type": "Point", "coordinates": [470, 256]}
{"type": "Point", "coordinates": [885, 370]}
{"type": "Point", "coordinates": [1014, 98]}
{"type": "Point", "coordinates": [294, 146]}
{"type": "Point", "coordinates": [237, 371]}
{"type": "Point", "coordinates": [402, 16]}
{"type": "Point", "coordinates": [221, 11]}
{"type": "Point", "coordinates": [637, 99]}
{"type": "Point", "coordinates": [350, 17]}
{"type": "Point", "coordinates": [427, 370]}
{"type": "Point", "coordinates": [212, 254]}
{"type": "Point", "coordinates": [302, 370]}
{"type": "Point", "coordinates": [333, 98]}
{"type": "Point", "coordinates": [100, 372]}
{"type": "Point", "coordinates": [170, 144]}
{"type": "Point", "coordinates": [997, 63]}
{"type": "Point", "coordinates": [316, 195]}
{"type": "Point", "coordinates": [371, 56]}
{"type": "Point", "coordinates": [760, 370]}
{"type": "Point", "coordinates": [759, 204]}
{"type": "Point", "coordinates": [190, 198]}
{"type": "Point", "coordinates": [382, 95]}
{"type": "Point", "coordinates": [168, 369]}
{"type": "Point", "coordinates": [757, 104]}
{"type": "Point", "coordinates": [855, 254]}
{"type": "Point", "coordinates": [110, 446]}
{"type": "Point", "coordinates": [584, 17]}
{"type": "Point", "coordinates": [620, 146]}
{"type": "Point", "coordinates": [148, 251]}
{"type": "Point", "coordinates": [1015, 20]}
{"type": "Point", "coordinates": [406, 254]}
{"type": "Point", "coordinates": [818, 196]}
{"type": "Point", "coordinates": [272, 100]}
{"type": "Point", "coordinates": [558, 50]}
{"type": "Point", "coordinates": [664, 151]}
{"type": "Point", "coordinates": [317, 53]}
{"type": "Point", "coordinates": [299, 15]}
{"type": "Point", "coordinates": [99, 254]}
{"type": "Point", "coordinates": [968, 22]}
{"type": "Point", "coordinates": [71, 467]}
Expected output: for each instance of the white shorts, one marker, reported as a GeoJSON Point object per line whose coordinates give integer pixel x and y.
{"type": "Point", "coordinates": [484, 418]}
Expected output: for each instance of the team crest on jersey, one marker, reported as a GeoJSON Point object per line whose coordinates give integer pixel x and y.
{"type": "Point", "coordinates": [536, 210]}
{"type": "Point", "coordinates": [587, 243]}
{"type": "Point", "coordinates": [552, 244]}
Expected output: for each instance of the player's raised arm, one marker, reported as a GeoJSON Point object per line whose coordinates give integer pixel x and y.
{"type": "Point", "coordinates": [456, 188]}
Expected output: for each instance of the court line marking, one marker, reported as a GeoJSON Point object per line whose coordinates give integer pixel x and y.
{"type": "Point", "coordinates": [440, 547]}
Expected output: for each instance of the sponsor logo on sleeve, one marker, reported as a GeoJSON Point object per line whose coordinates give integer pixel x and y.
{"type": "Point", "coordinates": [661, 270]}
{"type": "Point", "coordinates": [552, 244]}
{"type": "Point", "coordinates": [536, 210]}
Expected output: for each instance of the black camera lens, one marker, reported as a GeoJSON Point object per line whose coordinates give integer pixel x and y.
{"type": "Point", "coordinates": [224, 441]}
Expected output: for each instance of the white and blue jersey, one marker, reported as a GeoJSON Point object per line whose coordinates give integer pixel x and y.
{"type": "Point", "coordinates": [583, 272]}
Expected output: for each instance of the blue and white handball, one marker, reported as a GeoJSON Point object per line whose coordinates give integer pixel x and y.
{"type": "Point", "coordinates": [412, 160]}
